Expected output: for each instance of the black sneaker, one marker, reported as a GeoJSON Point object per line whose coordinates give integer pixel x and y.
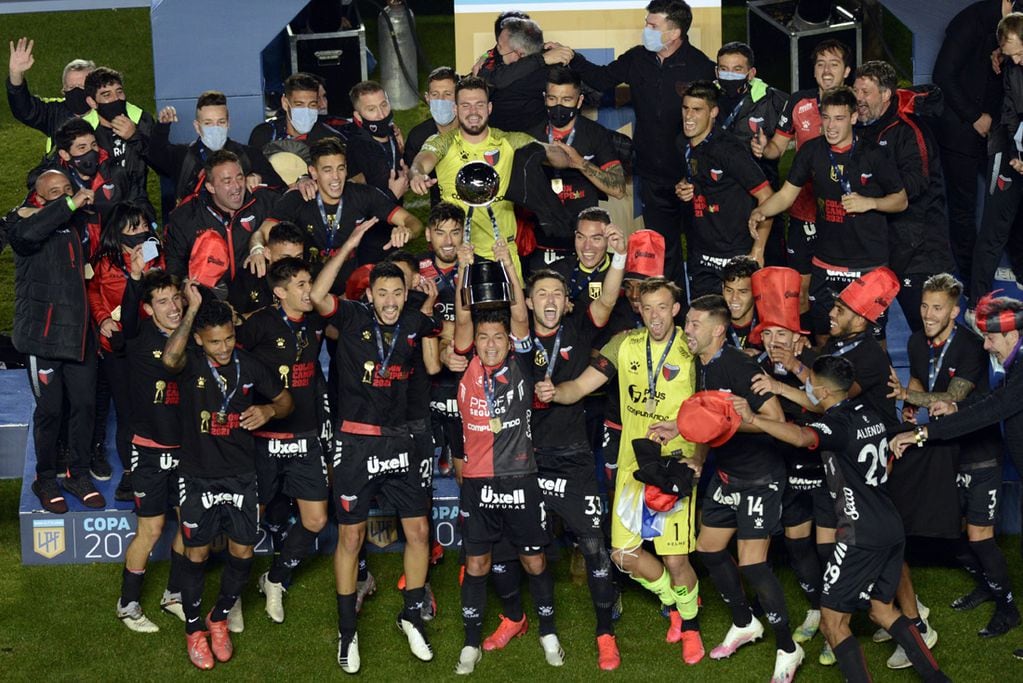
{"type": "Point", "coordinates": [50, 497]}
{"type": "Point", "coordinates": [99, 468]}
{"type": "Point", "coordinates": [82, 488]}
{"type": "Point", "coordinates": [124, 493]}
{"type": "Point", "coordinates": [1005, 618]}
{"type": "Point", "coordinates": [972, 600]}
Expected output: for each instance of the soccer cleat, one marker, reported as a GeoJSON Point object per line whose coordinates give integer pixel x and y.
{"type": "Point", "coordinates": [436, 553]}
{"type": "Point", "coordinates": [199, 650]}
{"type": "Point", "coordinates": [235, 618]}
{"type": "Point", "coordinates": [81, 487]}
{"type": "Point", "coordinates": [171, 604]}
{"type": "Point", "coordinates": [468, 658]}
{"type": "Point", "coordinates": [617, 608]}
{"type": "Point", "coordinates": [608, 657]}
{"type": "Point", "coordinates": [429, 610]}
{"type": "Point", "coordinates": [401, 582]}
{"type": "Point", "coordinates": [274, 593]}
{"type": "Point", "coordinates": [552, 650]}
{"type": "Point", "coordinates": [134, 619]}
{"type": "Point", "coordinates": [899, 660]}
{"type": "Point", "coordinates": [417, 641]}
{"type": "Point", "coordinates": [827, 656]}
{"type": "Point", "coordinates": [504, 632]}
{"type": "Point", "coordinates": [1018, 653]}
{"type": "Point", "coordinates": [674, 627]}
{"type": "Point", "coordinates": [50, 497]}
{"type": "Point", "coordinates": [692, 647]}
{"type": "Point", "coordinates": [348, 654]}
{"type": "Point", "coordinates": [364, 589]}
{"type": "Point", "coordinates": [881, 636]}
{"type": "Point", "coordinates": [99, 468]}
{"type": "Point", "coordinates": [808, 629]}
{"type": "Point", "coordinates": [785, 665]}
{"type": "Point", "coordinates": [972, 600]}
{"type": "Point", "coordinates": [1005, 618]}
{"type": "Point", "coordinates": [736, 637]}
{"type": "Point", "coordinates": [124, 492]}
{"type": "Point", "coordinates": [220, 639]}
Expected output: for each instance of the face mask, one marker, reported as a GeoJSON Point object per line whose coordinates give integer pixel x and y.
{"type": "Point", "coordinates": [303, 118]}
{"type": "Point", "coordinates": [86, 164]}
{"type": "Point", "coordinates": [75, 100]}
{"type": "Point", "coordinates": [732, 83]}
{"type": "Point", "coordinates": [132, 241]}
{"type": "Point", "coordinates": [214, 137]}
{"type": "Point", "coordinates": [442, 111]}
{"type": "Point", "coordinates": [808, 388]}
{"type": "Point", "coordinates": [111, 110]}
{"type": "Point", "coordinates": [560, 115]}
{"type": "Point", "coordinates": [380, 128]}
{"type": "Point", "coordinates": [652, 39]}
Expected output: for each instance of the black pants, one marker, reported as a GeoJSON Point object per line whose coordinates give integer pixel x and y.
{"type": "Point", "coordinates": [115, 368]}
{"type": "Point", "coordinates": [961, 174]}
{"type": "Point", "coordinates": [51, 381]}
{"type": "Point", "coordinates": [1000, 227]}
{"type": "Point", "coordinates": [662, 213]}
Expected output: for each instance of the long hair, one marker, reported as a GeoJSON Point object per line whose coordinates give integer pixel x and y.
{"type": "Point", "coordinates": [121, 216]}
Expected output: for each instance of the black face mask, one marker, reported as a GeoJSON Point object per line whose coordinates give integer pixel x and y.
{"type": "Point", "coordinates": [560, 115]}
{"type": "Point", "coordinates": [732, 89]}
{"type": "Point", "coordinates": [111, 110]}
{"type": "Point", "coordinates": [381, 128]}
{"type": "Point", "coordinates": [75, 100]}
{"type": "Point", "coordinates": [86, 164]}
{"type": "Point", "coordinates": [132, 241]}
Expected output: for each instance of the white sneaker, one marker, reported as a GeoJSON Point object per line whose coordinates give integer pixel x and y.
{"type": "Point", "coordinates": [171, 604]}
{"type": "Point", "coordinates": [134, 619]}
{"type": "Point", "coordinates": [785, 665]}
{"type": "Point", "coordinates": [348, 654]}
{"type": "Point", "coordinates": [737, 637]}
{"type": "Point", "coordinates": [882, 636]}
{"type": "Point", "coordinates": [274, 593]}
{"type": "Point", "coordinates": [899, 660]}
{"type": "Point", "coordinates": [364, 589]}
{"type": "Point", "coordinates": [552, 649]}
{"type": "Point", "coordinates": [235, 619]}
{"type": "Point", "coordinates": [923, 609]}
{"type": "Point", "coordinates": [468, 658]}
{"type": "Point", "coordinates": [417, 641]}
{"type": "Point", "coordinates": [808, 629]}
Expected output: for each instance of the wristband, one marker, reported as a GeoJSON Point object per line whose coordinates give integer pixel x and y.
{"type": "Point", "coordinates": [71, 203]}
{"type": "Point", "coordinates": [258, 248]}
{"type": "Point", "coordinates": [920, 435]}
{"type": "Point", "coordinates": [618, 261]}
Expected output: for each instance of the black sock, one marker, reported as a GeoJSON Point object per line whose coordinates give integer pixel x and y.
{"type": "Point", "coordinates": [363, 566]}
{"type": "Point", "coordinates": [296, 547]}
{"type": "Point", "coordinates": [995, 569]}
{"type": "Point", "coordinates": [598, 576]}
{"type": "Point", "coordinates": [807, 566]}
{"type": "Point", "coordinates": [769, 590]}
{"type": "Point", "coordinates": [131, 586]}
{"type": "Point", "coordinates": [824, 553]}
{"type": "Point", "coordinates": [542, 587]}
{"type": "Point", "coordinates": [851, 661]}
{"type": "Point", "coordinates": [413, 610]}
{"type": "Point", "coordinates": [232, 583]}
{"type": "Point", "coordinates": [193, 581]}
{"type": "Point", "coordinates": [346, 614]}
{"type": "Point", "coordinates": [725, 576]}
{"type": "Point", "coordinates": [920, 624]}
{"type": "Point", "coordinates": [970, 562]}
{"type": "Point", "coordinates": [177, 561]}
{"type": "Point", "coordinates": [507, 578]}
{"type": "Point", "coordinates": [691, 624]}
{"type": "Point", "coordinates": [277, 519]}
{"type": "Point", "coordinates": [906, 634]}
{"type": "Point", "coordinates": [474, 601]}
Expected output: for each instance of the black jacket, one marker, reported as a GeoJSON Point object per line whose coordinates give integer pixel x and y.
{"type": "Point", "coordinates": [51, 308]}
{"type": "Point", "coordinates": [46, 116]}
{"type": "Point", "coordinates": [761, 105]}
{"type": "Point", "coordinates": [516, 92]}
{"type": "Point", "coordinates": [277, 129]}
{"type": "Point", "coordinates": [656, 94]}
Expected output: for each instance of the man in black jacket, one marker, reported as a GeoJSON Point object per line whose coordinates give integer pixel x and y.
{"type": "Point", "coordinates": [45, 114]}
{"type": "Point", "coordinates": [52, 326]}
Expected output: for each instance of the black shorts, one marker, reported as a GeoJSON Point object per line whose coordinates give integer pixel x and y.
{"type": "Point", "coordinates": [703, 272]}
{"type": "Point", "coordinates": [854, 576]}
{"type": "Point", "coordinates": [805, 500]}
{"type": "Point", "coordinates": [568, 483]}
{"type": "Point", "coordinates": [979, 490]}
{"type": "Point", "coordinates": [422, 449]}
{"type": "Point", "coordinates": [294, 467]}
{"type": "Point", "coordinates": [752, 508]}
{"type": "Point", "coordinates": [446, 421]}
{"type": "Point", "coordinates": [212, 506]}
{"type": "Point", "coordinates": [510, 508]}
{"type": "Point", "coordinates": [799, 244]}
{"type": "Point", "coordinates": [383, 467]}
{"type": "Point", "coordinates": [825, 286]}
{"type": "Point", "coordinates": [154, 480]}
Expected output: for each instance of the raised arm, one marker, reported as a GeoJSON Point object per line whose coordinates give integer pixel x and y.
{"type": "Point", "coordinates": [463, 316]}
{"type": "Point", "coordinates": [600, 308]}
{"type": "Point", "coordinates": [320, 294]}
{"type": "Point", "coordinates": [174, 350]}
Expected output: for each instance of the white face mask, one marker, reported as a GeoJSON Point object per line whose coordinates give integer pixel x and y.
{"type": "Point", "coordinates": [214, 137]}
{"type": "Point", "coordinates": [303, 118]}
{"type": "Point", "coordinates": [442, 111]}
{"type": "Point", "coordinates": [652, 39]}
{"type": "Point", "coordinates": [808, 388]}
{"type": "Point", "coordinates": [731, 76]}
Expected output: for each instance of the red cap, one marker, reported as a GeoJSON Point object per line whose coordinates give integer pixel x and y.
{"type": "Point", "coordinates": [872, 293]}
{"type": "Point", "coordinates": [776, 295]}
{"type": "Point", "coordinates": [358, 282]}
{"type": "Point", "coordinates": [657, 500]}
{"type": "Point", "coordinates": [992, 316]}
{"type": "Point", "coordinates": [708, 417]}
{"type": "Point", "coordinates": [209, 259]}
{"type": "Point", "coordinates": [645, 255]}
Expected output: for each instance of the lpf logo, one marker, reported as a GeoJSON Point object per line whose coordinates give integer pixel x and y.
{"type": "Point", "coordinates": [48, 537]}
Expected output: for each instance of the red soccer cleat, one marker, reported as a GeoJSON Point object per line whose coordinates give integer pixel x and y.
{"type": "Point", "coordinates": [692, 647]}
{"type": "Point", "coordinates": [505, 631]}
{"type": "Point", "coordinates": [220, 639]}
{"type": "Point", "coordinates": [608, 657]}
{"type": "Point", "coordinates": [199, 650]}
{"type": "Point", "coordinates": [674, 628]}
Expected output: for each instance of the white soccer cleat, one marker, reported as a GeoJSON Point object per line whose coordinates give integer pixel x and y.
{"type": "Point", "coordinates": [468, 658]}
{"type": "Point", "coordinates": [274, 593]}
{"type": "Point", "coordinates": [134, 619]}
{"type": "Point", "coordinates": [785, 665]}
{"type": "Point", "coordinates": [417, 641]}
{"type": "Point", "coordinates": [737, 637]}
{"type": "Point", "coordinates": [348, 654]}
{"type": "Point", "coordinates": [899, 660]}
{"type": "Point", "coordinates": [552, 650]}
{"type": "Point", "coordinates": [171, 604]}
{"type": "Point", "coordinates": [235, 618]}
{"type": "Point", "coordinates": [808, 629]}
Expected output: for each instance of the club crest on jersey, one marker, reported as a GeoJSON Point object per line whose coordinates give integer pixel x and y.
{"type": "Point", "coordinates": [1003, 182]}
{"type": "Point", "coordinates": [492, 156]}
{"type": "Point", "coordinates": [246, 388]}
{"type": "Point", "coordinates": [348, 503]}
{"type": "Point", "coordinates": [411, 339]}
{"type": "Point", "coordinates": [564, 352]}
{"type": "Point", "coordinates": [865, 178]}
{"type": "Point", "coordinates": [247, 223]}
{"type": "Point", "coordinates": [670, 371]}
{"type": "Point", "coordinates": [44, 376]}
{"type": "Point", "coordinates": [755, 122]}
{"type": "Point", "coordinates": [108, 190]}
{"type": "Point", "coordinates": [716, 173]}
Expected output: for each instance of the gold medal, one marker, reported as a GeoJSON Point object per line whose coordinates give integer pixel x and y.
{"type": "Point", "coordinates": [284, 370]}
{"type": "Point", "coordinates": [221, 417]}
{"type": "Point", "coordinates": [557, 185]}
{"type": "Point", "coordinates": [651, 404]}
{"type": "Point", "coordinates": [495, 424]}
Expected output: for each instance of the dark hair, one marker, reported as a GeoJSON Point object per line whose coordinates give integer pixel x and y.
{"type": "Point", "coordinates": [445, 211]}
{"type": "Point", "coordinates": [714, 305]}
{"type": "Point", "coordinates": [544, 274]}
{"type": "Point", "coordinates": [880, 72]}
{"type": "Point", "coordinates": [653, 284]}
{"type": "Point", "coordinates": [441, 73]}
{"type": "Point", "coordinates": [120, 216]}
{"type": "Point", "coordinates": [841, 96]}
{"type": "Point", "coordinates": [737, 48]}
{"type": "Point", "coordinates": [836, 370]}
{"type": "Point", "coordinates": [210, 98]}
{"type": "Point", "coordinates": [71, 131]}
{"type": "Point", "coordinates": [282, 270]}
{"type": "Point", "coordinates": [562, 75]}
{"type": "Point", "coordinates": [301, 82]}
{"type": "Point", "coordinates": [738, 268]}
{"type": "Point", "coordinates": [492, 315]}
{"type": "Point", "coordinates": [523, 34]}
{"type": "Point", "coordinates": [677, 11]}
{"type": "Point", "coordinates": [101, 77]}
{"type": "Point", "coordinates": [472, 83]}
{"type": "Point", "coordinates": [385, 269]}
{"type": "Point", "coordinates": [832, 45]}
{"type": "Point", "coordinates": [363, 88]}
{"type": "Point", "coordinates": [325, 147]}
{"type": "Point", "coordinates": [219, 158]}
{"type": "Point", "coordinates": [703, 90]}
{"type": "Point", "coordinates": [212, 313]}
{"type": "Point", "coordinates": [594, 213]}
{"type": "Point", "coordinates": [156, 279]}
{"type": "Point", "coordinates": [402, 256]}
{"type": "Point", "coordinates": [1010, 25]}
{"type": "Point", "coordinates": [944, 282]}
{"type": "Point", "coordinates": [286, 232]}
{"type": "Point", "coordinates": [509, 14]}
